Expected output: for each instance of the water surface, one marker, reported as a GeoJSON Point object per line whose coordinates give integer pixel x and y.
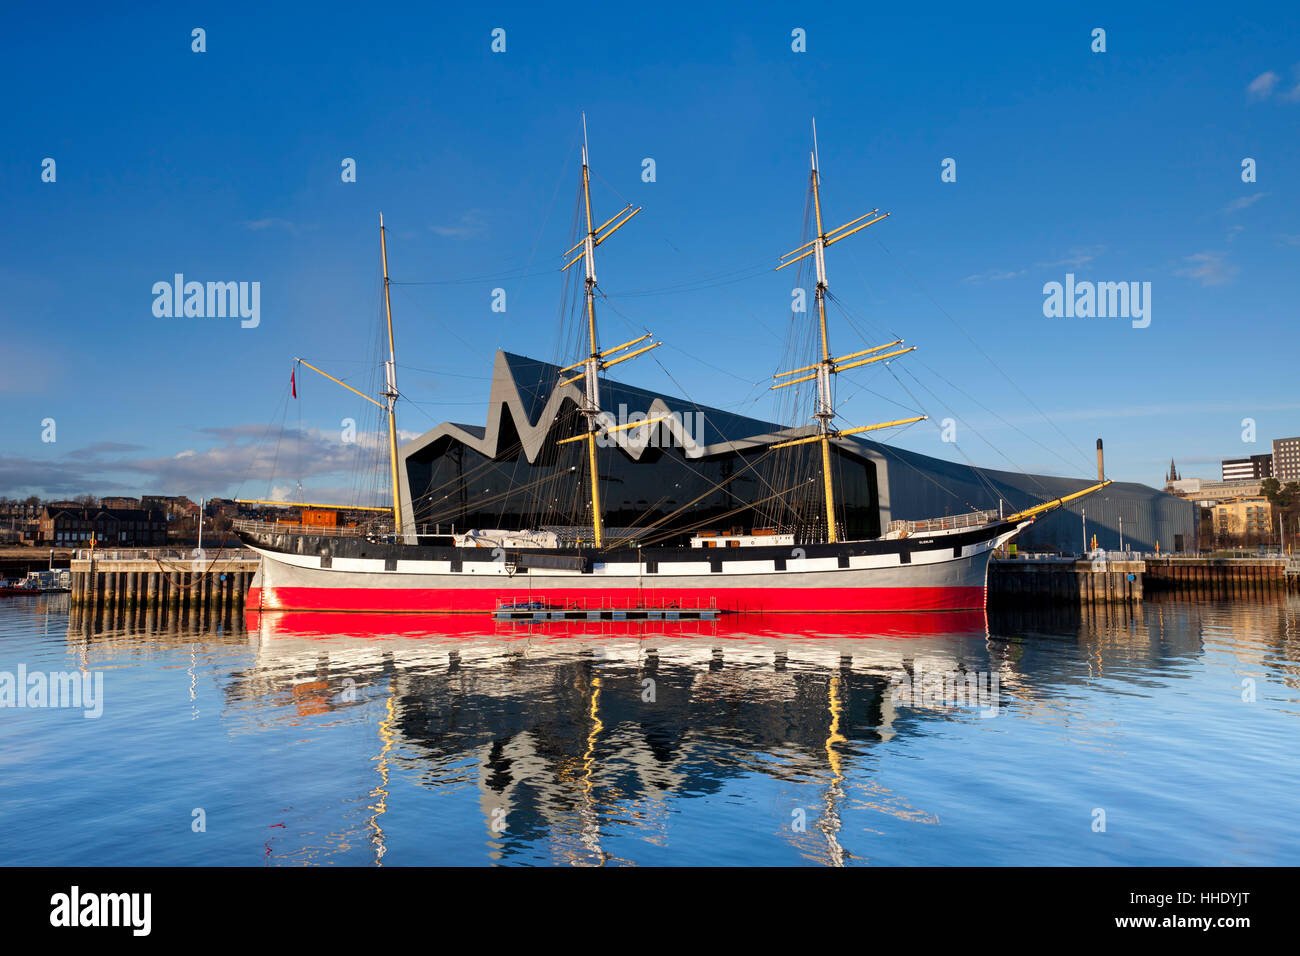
{"type": "Point", "coordinates": [1164, 737]}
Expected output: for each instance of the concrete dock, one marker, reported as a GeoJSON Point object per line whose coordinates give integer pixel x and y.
{"type": "Point", "coordinates": [117, 588]}
{"type": "Point", "coordinates": [1223, 577]}
{"type": "Point", "coordinates": [1048, 579]}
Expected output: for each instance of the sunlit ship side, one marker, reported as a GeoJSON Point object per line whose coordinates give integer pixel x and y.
{"type": "Point", "coordinates": [941, 570]}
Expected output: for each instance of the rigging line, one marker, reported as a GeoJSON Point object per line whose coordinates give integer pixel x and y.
{"type": "Point", "coordinates": [550, 208]}
{"type": "Point", "coordinates": [685, 397]}
{"type": "Point", "coordinates": [518, 272]}
{"type": "Point", "coordinates": [698, 408]}
{"type": "Point", "coordinates": [712, 282]}
{"type": "Point", "coordinates": [463, 476]}
{"type": "Point", "coordinates": [279, 437]}
{"type": "Point", "coordinates": [633, 325]}
{"type": "Point", "coordinates": [482, 503]}
{"type": "Point", "coordinates": [849, 318]}
{"type": "Point", "coordinates": [448, 329]}
{"type": "Point", "coordinates": [253, 459]}
{"type": "Point", "coordinates": [477, 503]}
{"type": "Point", "coordinates": [979, 474]}
{"type": "Point", "coordinates": [714, 486]}
{"type": "Point", "coordinates": [518, 462]}
{"type": "Point", "coordinates": [702, 272]}
{"type": "Point", "coordinates": [500, 497]}
{"type": "Point", "coordinates": [976, 344]}
{"type": "Point", "coordinates": [1017, 429]}
{"type": "Point", "coordinates": [757, 268]}
{"type": "Point", "coordinates": [871, 391]}
{"type": "Point", "coordinates": [429, 371]}
{"type": "Point", "coordinates": [417, 404]}
{"type": "Point", "coordinates": [714, 519]}
{"type": "Point", "coordinates": [894, 453]}
{"type": "Point", "coordinates": [1014, 464]}
{"type": "Point", "coordinates": [888, 333]}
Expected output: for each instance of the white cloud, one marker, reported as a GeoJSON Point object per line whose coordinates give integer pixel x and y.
{"type": "Point", "coordinates": [1243, 202]}
{"type": "Point", "coordinates": [258, 225]}
{"type": "Point", "coordinates": [237, 461]}
{"type": "Point", "coordinates": [1211, 268]}
{"type": "Point", "coordinates": [1075, 258]}
{"type": "Point", "coordinates": [1262, 86]}
{"type": "Point", "coordinates": [470, 225]}
{"type": "Point", "coordinates": [994, 275]}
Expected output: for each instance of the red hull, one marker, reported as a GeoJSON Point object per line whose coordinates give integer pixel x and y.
{"type": "Point", "coordinates": [332, 626]}
{"type": "Point", "coordinates": [482, 600]}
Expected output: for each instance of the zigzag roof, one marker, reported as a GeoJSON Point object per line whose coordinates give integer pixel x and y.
{"type": "Point", "coordinates": [528, 391]}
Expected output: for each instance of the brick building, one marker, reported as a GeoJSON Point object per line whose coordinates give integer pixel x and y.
{"type": "Point", "coordinates": [64, 525]}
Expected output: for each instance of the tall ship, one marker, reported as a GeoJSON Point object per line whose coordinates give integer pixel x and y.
{"type": "Point", "coordinates": [928, 565]}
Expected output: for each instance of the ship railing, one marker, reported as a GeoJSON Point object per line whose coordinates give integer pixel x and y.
{"type": "Point", "coordinates": [572, 536]}
{"type": "Point", "coordinates": [273, 527]}
{"type": "Point", "coordinates": [972, 519]}
{"type": "Point", "coordinates": [1065, 556]}
{"type": "Point", "coordinates": [169, 554]}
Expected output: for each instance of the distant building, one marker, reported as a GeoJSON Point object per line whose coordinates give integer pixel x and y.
{"type": "Point", "coordinates": [1183, 487]}
{"type": "Point", "coordinates": [1244, 518]}
{"type": "Point", "coordinates": [119, 502]}
{"type": "Point", "coordinates": [75, 526]}
{"type": "Point", "coordinates": [19, 522]}
{"type": "Point", "coordinates": [1205, 493]}
{"type": "Point", "coordinates": [1256, 467]}
{"type": "Point", "coordinates": [1286, 459]}
{"type": "Point", "coordinates": [173, 506]}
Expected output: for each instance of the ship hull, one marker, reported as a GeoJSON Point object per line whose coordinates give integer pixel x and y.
{"type": "Point", "coordinates": [938, 573]}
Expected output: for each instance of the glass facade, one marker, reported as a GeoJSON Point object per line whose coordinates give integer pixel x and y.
{"type": "Point", "coordinates": [674, 497]}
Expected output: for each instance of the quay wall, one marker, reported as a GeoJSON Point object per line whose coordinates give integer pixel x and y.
{"type": "Point", "coordinates": [138, 590]}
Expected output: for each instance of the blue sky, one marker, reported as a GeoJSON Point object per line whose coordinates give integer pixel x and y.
{"type": "Point", "coordinates": [225, 166]}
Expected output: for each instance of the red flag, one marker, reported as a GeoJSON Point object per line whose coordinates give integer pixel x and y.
{"type": "Point", "coordinates": [293, 382]}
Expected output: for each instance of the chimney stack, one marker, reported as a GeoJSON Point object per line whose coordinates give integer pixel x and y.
{"type": "Point", "coordinates": [1101, 463]}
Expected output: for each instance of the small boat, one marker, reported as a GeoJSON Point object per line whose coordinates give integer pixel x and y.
{"type": "Point", "coordinates": [40, 582]}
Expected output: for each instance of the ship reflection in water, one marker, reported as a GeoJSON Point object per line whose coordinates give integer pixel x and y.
{"type": "Point", "coordinates": [835, 740]}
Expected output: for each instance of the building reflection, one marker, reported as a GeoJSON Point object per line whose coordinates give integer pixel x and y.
{"type": "Point", "coordinates": [566, 730]}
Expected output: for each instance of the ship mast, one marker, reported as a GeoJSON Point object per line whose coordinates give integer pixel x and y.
{"type": "Point", "coordinates": [823, 370]}
{"type": "Point", "coordinates": [596, 360]}
{"type": "Point", "coordinates": [390, 389]}
{"type": "Point", "coordinates": [389, 394]}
